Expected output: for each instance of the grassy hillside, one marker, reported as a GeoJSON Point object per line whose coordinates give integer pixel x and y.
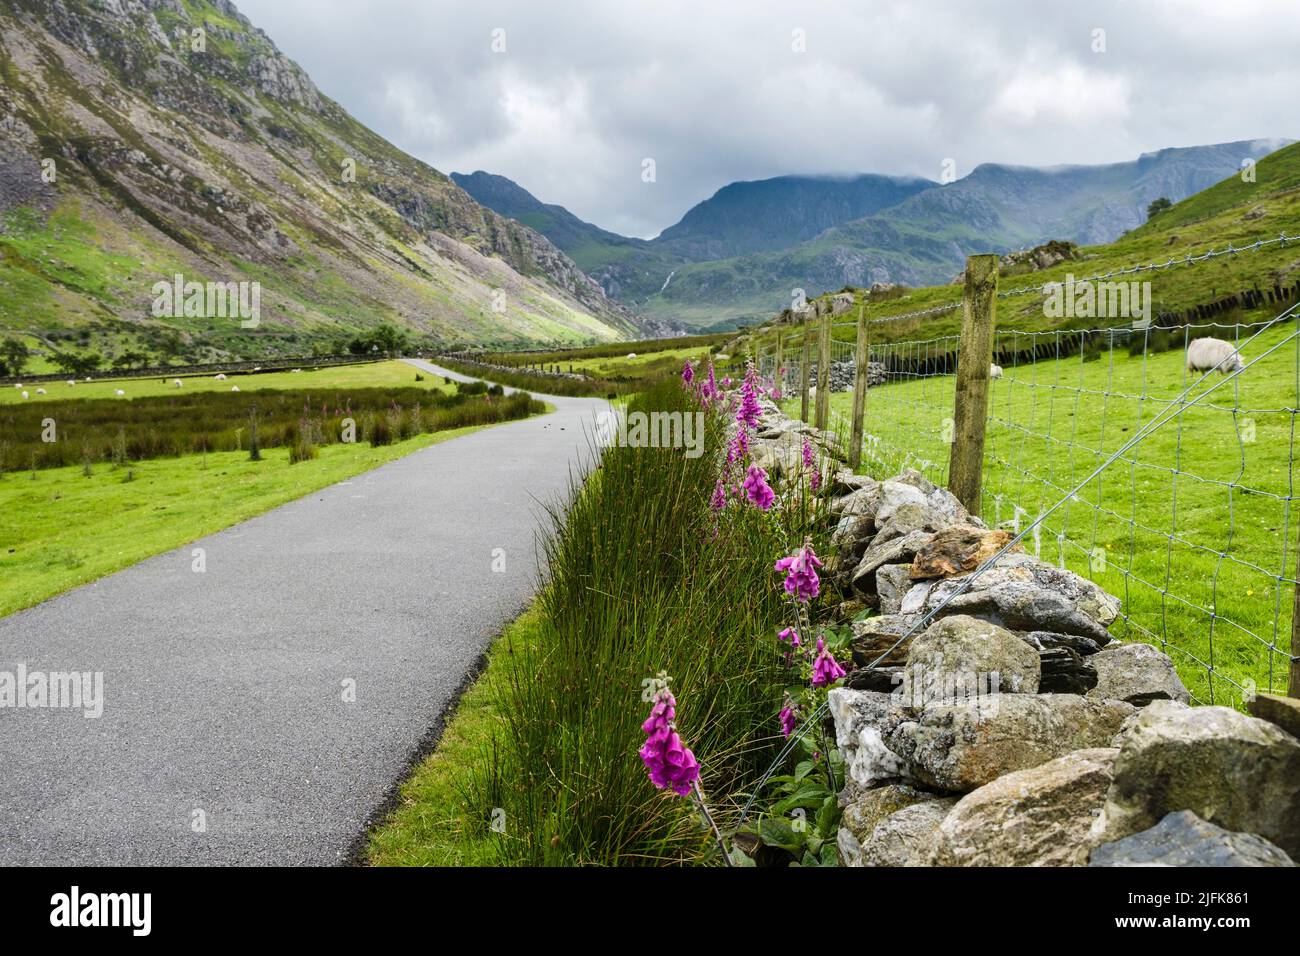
{"type": "Point", "coordinates": [1230, 212]}
{"type": "Point", "coordinates": [924, 238]}
{"type": "Point", "coordinates": [226, 164]}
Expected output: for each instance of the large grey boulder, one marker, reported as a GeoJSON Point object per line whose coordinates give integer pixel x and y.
{"type": "Point", "coordinates": [906, 837]}
{"type": "Point", "coordinates": [1137, 673]}
{"type": "Point", "coordinates": [861, 719]}
{"type": "Point", "coordinates": [1235, 771]}
{"type": "Point", "coordinates": [1022, 593]}
{"type": "Point", "coordinates": [1036, 817]}
{"type": "Point", "coordinates": [961, 747]}
{"type": "Point", "coordinates": [865, 809]}
{"type": "Point", "coordinates": [1184, 839]}
{"type": "Point", "coordinates": [960, 655]}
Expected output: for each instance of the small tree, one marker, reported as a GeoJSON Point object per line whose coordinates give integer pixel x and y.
{"type": "Point", "coordinates": [13, 357]}
{"type": "Point", "coordinates": [1157, 206]}
{"type": "Point", "coordinates": [254, 447]}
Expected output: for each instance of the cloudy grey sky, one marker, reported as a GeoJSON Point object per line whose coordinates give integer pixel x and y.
{"type": "Point", "coordinates": [719, 91]}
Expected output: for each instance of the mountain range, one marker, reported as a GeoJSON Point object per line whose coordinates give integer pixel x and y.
{"type": "Point", "coordinates": [740, 255]}
{"type": "Point", "coordinates": [144, 139]}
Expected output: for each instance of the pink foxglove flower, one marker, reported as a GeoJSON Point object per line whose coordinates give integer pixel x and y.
{"type": "Point", "coordinates": [800, 569]}
{"type": "Point", "coordinates": [790, 635]}
{"type": "Point", "coordinates": [719, 499]}
{"type": "Point", "coordinates": [688, 373]}
{"type": "Point", "coordinates": [757, 490]}
{"type": "Point", "coordinates": [826, 669]}
{"type": "Point", "coordinates": [709, 387]}
{"type": "Point", "coordinates": [738, 448]}
{"type": "Point", "coordinates": [750, 411]}
{"type": "Point", "coordinates": [788, 717]}
{"type": "Point", "coordinates": [669, 762]}
{"type": "Point", "coordinates": [810, 463]}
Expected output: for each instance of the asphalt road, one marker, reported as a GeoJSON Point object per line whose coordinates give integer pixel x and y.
{"type": "Point", "coordinates": [226, 735]}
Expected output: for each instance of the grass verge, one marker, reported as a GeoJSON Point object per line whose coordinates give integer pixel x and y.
{"type": "Point", "coordinates": [643, 579]}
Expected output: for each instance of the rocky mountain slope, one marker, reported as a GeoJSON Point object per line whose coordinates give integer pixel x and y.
{"type": "Point", "coordinates": [145, 138]}
{"type": "Point", "coordinates": [740, 255]}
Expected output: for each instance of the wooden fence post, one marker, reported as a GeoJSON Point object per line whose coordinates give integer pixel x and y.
{"type": "Point", "coordinates": [824, 369]}
{"type": "Point", "coordinates": [780, 358]}
{"type": "Point", "coordinates": [859, 390]}
{"type": "Point", "coordinates": [1293, 682]}
{"type": "Point", "coordinates": [970, 411]}
{"type": "Point", "coordinates": [803, 371]}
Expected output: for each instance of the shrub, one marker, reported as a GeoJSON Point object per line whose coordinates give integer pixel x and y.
{"type": "Point", "coordinates": [303, 448]}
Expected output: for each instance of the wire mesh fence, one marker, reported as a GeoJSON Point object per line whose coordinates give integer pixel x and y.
{"type": "Point", "coordinates": [1193, 528]}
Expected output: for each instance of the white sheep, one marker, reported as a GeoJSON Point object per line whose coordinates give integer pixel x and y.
{"type": "Point", "coordinates": [25, 395]}
{"type": "Point", "coordinates": [234, 388]}
{"type": "Point", "coordinates": [631, 355]}
{"type": "Point", "coordinates": [1207, 355]}
{"type": "Point", "coordinates": [221, 376]}
{"type": "Point", "coordinates": [18, 385]}
{"type": "Point", "coordinates": [71, 382]}
{"type": "Point", "coordinates": [177, 382]}
{"type": "Point", "coordinates": [119, 393]}
{"type": "Point", "coordinates": [40, 391]}
{"type": "Point", "coordinates": [995, 371]}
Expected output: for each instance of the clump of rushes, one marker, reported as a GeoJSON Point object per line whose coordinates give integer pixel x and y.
{"type": "Point", "coordinates": [638, 582]}
{"type": "Point", "coordinates": [303, 448]}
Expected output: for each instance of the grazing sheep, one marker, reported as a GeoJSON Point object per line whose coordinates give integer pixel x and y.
{"type": "Point", "coordinates": [177, 382]}
{"type": "Point", "coordinates": [221, 376]}
{"type": "Point", "coordinates": [25, 395]}
{"type": "Point", "coordinates": [234, 388]}
{"type": "Point", "coordinates": [119, 393]}
{"type": "Point", "coordinates": [631, 355]}
{"type": "Point", "coordinates": [995, 371]}
{"type": "Point", "coordinates": [295, 370]}
{"type": "Point", "coordinates": [18, 385]}
{"type": "Point", "coordinates": [1207, 355]}
{"type": "Point", "coordinates": [40, 391]}
{"type": "Point", "coordinates": [71, 382]}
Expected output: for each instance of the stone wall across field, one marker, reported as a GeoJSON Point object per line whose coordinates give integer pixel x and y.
{"type": "Point", "coordinates": [843, 376]}
{"type": "Point", "coordinates": [991, 720]}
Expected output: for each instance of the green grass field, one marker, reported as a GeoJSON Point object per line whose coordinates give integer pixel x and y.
{"type": "Point", "coordinates": [1194, 523]}
{"type": "Point", "coordinates": [62, 529]}
{"type": "Point", "coordinates": [363, 375]}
